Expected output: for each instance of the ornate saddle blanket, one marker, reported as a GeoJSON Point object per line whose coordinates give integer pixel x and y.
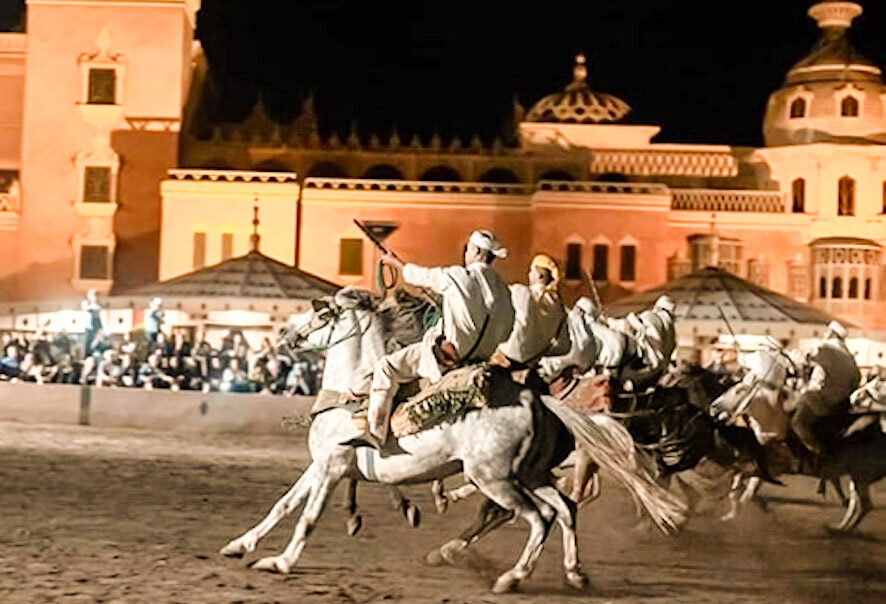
{"type": "Point", "coordinates": [588, 394]}
{"type": "Point", "coordinates": [459, 390]}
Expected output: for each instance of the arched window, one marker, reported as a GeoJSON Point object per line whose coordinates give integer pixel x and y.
{"type": "Point", "coordinates": [867, 288]}
{"type": "Point", "coordinates": [849, 107]}
{"type": "Point", "coordinates": [798, 193]}
{"type": "Point", "coordinates": [326, 169]}
{"type": "Point", "coordinates": [271, 165]}
{"type": "Point", "coordinates": [383, 172]}
{"type": "Point", "coordinates": [798, 108]}
{"type": "Point", "coordinates": [601, 262]}
{"type": "Point", "coordinates": [846, 197]}
{"type": "Point", "coordinates": [441, 174]}
{"type": "Point", "coordinates": [612, 177]}
{"type": "Point", "coordinates": [837, 288]}
{"type": "Point", "coordinates": [499, 176]}
{"type": "Point", "coordinates": [853, 288]}
{"type": "Point", "coordinates": [556, 175]}
{"type": "Point", "coordinates": [822, 288]}
{"type": "Point", "coordinates": [573, 261]}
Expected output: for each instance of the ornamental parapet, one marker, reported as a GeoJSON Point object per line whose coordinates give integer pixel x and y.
{"type": "Point", "coordinates": [620, 188]}
{"type": "Point", "coordinates": [664, 162]}
{"type": "Point", "coordinates": [719, 200]}
{"type": "Point", "coordinates": [232, 175]}
{"type": "Point", "coordinates": [417, 186]}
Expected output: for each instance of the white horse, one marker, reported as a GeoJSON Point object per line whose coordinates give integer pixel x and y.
{"type": "Point", "coordinates": [764, 400]}
{"type": "Point", "coordinates": [507, 450]}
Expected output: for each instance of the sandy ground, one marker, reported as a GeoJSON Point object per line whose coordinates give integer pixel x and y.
{"type": "Point", "coordinates": [102, 515]}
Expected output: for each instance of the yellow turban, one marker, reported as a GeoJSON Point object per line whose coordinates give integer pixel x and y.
{"type": "Point", "coordinates": [546, 262]}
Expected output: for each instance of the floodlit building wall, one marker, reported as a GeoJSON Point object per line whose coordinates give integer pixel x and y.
{"type": "Point", "coordinates": [203, 207]}
{"type": "Point", "coordinates": [133, 134]}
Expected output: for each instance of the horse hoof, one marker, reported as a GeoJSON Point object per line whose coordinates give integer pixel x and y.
{"type": "Point", "coordinates": [273, 564]}
{"type": "Point", "coordinates": [451, 551]}
{"type": "Point", "coordinates": [234, 549]}
{"type": "Point", "coordinates": [434, 558]}
{"type": "Point", "coordinates": [413, 516]}
{"type": "Point", "coordinates": [506, 584]}
{"type": "Point", "coordinates": [577, 580]}
{"type": "Point", "coordinates": [353, 524]}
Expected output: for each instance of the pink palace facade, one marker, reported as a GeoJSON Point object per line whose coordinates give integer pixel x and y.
{"type": "Point", "coordinates": [105, 182]}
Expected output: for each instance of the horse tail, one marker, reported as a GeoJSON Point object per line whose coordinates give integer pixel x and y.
{"type": "Point", "coordinates": [611, 446]}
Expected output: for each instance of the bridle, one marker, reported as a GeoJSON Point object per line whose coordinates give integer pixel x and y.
{"type": "Point", "coordinates": [302, 333]}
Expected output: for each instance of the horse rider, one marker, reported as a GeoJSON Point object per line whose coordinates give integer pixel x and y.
{"type": "Point", "coordinates": [540, 328]}
{"type": "Point", "coordinates": [582, 354]}
{"type": "Point", "coordinates": [477, 315]}
{"type": "Point", "coordinates": [653, 330]}
{"type": "Point", "coordinates": [834, 376]}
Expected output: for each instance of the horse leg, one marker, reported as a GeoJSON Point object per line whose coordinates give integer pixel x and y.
{"type": "Point", "coordinates": [838, 489]}
{"type": "Point", "coordinates": [284, 506]}
{"type": "Point", "coordinates": [566, 518]}
{"type": "Point", "coordinates": [733, 497]}
{"type": "Point", "coordinates": [402, 504]}
{"type": "Point", "coordinates": [315, 505]}
{"type": "Point", "coordinates": [859, 505]}
{"type": "Point", "coordinates": [355, 520]}
{"type": "Point", "coordinates": [540, 517]}
{"type": "Point", "coordinates": [443, 498]}
{"type": "Point", "coordinates": [750, 491]}
{"type": "Point", "coordinates": [488, 518]}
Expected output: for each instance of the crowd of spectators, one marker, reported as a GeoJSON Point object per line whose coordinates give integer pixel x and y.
{"type": "Point", "coordinates": [154, 360]}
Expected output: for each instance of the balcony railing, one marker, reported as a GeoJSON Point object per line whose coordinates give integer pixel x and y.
{"type": "Point", "coordinates": [717, 200]}
{"type": "Point", "coordinates": [619, 188]}
{"type": "Point", "coordinates": [417, 186]}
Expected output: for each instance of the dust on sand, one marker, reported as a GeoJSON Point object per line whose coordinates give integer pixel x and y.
{"type": "Point", "coordinates": [111, 515]}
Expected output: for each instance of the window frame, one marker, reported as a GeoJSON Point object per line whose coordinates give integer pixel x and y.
{"type": "Point", "coordinates": [595, 264]}
{"type": "Point", "coordinates": [351, 267]}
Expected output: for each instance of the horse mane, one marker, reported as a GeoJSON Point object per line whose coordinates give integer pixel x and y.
{"type": "Point", "coordinates": [406, 318]}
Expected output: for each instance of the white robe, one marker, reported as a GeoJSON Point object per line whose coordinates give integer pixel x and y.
{"type": "Point", "coordinates": [539, 325]}
{"type": "Point", "coordinates": [583, 351]}
{"type": "Point", "coordinates": [470, 295]}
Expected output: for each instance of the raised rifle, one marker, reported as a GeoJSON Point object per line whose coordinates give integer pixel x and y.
{"type": "Point", "coordinates": [376, 241]}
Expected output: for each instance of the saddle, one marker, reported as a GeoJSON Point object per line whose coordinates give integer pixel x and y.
{"type": "Point", "coordinates": [459, 391]}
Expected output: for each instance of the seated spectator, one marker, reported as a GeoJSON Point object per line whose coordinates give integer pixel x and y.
{"type": "Point", "coordinates": [234, 379]}
{"type": "Point", "coordinates": [29, 370]}
{"type": "Point", "coordinates": [296, 381]}
{"type": "Point", "coordinates": [128, 371]}
{"type": "Point", "coordinates": [63, 372]}
{"type": "Point", "coordinates": [236, 347]}
{"type": "Point", "coordinates": [190, 377]}
{"type": "Point", "coordinates": [213, 379]}
{"type": "Point", "coordinates": [152, 375]}
{"type": "Point", "coordinates": [181, 347]}
{"type": "Point", "coordinates": [274, 373]}
{"type": "Point", "coordinates": [10, 361]}
{"type": "Point", "coordinates": [109, 370]}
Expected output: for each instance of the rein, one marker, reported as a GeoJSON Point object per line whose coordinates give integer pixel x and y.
{"type": "Point", "coordinates": [357, 331]}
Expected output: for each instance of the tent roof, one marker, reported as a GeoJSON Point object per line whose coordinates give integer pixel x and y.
{"type": "Point", "coordinates": [253, 275]}
{"type": "Point", "coordinates": [698, 296]}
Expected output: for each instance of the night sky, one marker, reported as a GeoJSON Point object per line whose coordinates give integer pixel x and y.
{"type": "Point", "coordinates": [702, 70]}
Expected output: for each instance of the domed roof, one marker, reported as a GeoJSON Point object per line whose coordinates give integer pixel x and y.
{"type": "Point", "coordinates": [577, 104]}
{"type": "Point", "coordinates": [834, 57]}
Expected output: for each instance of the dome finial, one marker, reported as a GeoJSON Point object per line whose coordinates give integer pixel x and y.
{"type": "Point", "coordinates": [835, 14]}
{"type": "Point", "coordinates": [255, 238]}
{"type": "Point", "coordinates": [580, 71]}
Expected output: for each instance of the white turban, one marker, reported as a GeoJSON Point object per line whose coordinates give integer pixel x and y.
{"type": "Point", "coordinates": [838, 330]}
{"type": "Point", "coordinates": [487, 242]}
{"type": "Point", "coordinates": [588, 306]}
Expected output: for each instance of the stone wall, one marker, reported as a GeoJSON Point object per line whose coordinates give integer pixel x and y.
{"type": "Point", "coordinates": [151, 409]}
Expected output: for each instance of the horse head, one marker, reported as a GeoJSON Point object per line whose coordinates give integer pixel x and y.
{"type": "Point", "coordinates": [765, 384]}
{"type": "Point", "coordinates": [871, 395]}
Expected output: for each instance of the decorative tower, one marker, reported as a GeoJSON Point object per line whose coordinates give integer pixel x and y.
{"type": "Point", "coordinates": [105, 88]}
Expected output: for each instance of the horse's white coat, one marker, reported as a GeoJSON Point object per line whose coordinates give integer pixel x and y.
{"type": "Point", "coordinates": [486, 444]}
